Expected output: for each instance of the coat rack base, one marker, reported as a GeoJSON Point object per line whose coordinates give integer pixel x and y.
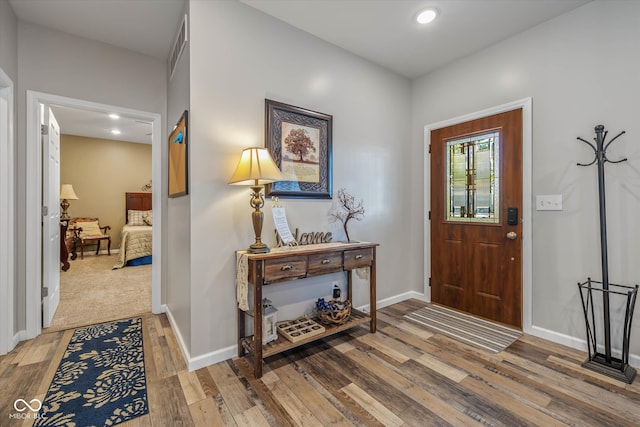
{"type": "Point", "coordinates": [616, 369]}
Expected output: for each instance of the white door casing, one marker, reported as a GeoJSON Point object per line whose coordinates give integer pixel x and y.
{"type": "Point", "coordinates": [33, 240]}
{"type": "Point", "coordinates": [7, 217]}
{"type": "Point", "coordinates": [50, 137]}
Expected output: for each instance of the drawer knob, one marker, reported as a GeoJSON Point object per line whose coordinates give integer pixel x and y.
{"type": "Point", "coordinates": [326, 261]}
{"type": "Point", "coordinates": [286, 267]}
{"type": "Point", "coordinates": [358, 257]}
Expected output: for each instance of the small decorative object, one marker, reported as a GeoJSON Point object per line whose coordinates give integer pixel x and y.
{"type": "Point", "coordinates": [300, 329]}
{"type": "Point", "coordinates": [66, 194]}
{"type": "Point", "coordinates": [178, 169]}
{"type": "Point", "coordinates": [334, 311]}
{"type": "Point", "coordinates": [256, 168]}
{"type": "Point", "coordinates": [147, 186]}
{"type": "Point", "coordinates": [345, 210]}
{"type": "Point", "coordinates": [311, 238]}
{"type": "Point", "coordinates": [269, 320]}
{"type": "Point", "coordinates": [300, 142]}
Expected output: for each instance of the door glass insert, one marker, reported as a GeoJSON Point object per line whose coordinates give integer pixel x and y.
{"type": "Point", "coordinates": [472, 181]}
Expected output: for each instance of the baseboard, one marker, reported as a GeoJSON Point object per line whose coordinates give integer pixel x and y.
{"type": "Point", "coordinates": [177, 334]}
{"type": "Point", "coordinates": [102, 252]}
{"type": "Point", "coordinates": [573, 342]}
{"type": "Point", "coordinates": [212, 357]}
{"type": "Point", "coordinates": [394, 300]}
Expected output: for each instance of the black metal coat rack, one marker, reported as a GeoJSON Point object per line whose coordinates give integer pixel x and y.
{"type": "Point", "coordinates": [605, 363]}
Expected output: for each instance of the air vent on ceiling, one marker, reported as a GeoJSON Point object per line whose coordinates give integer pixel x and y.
{"type": "Point", "coordinates": [178, 46]}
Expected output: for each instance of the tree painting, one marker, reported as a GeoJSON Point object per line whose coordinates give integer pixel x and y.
{"type": "Point", "coordinates": [299, 143]}
{"type": "Point", "coordinates": [300, 152]}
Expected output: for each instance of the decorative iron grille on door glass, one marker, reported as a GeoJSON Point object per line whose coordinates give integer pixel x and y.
{"type": "Point", "coordinates": [472, 189]}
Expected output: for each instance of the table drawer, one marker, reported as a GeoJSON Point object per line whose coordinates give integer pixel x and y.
{"type": "Point", "coordinates": [324, 263]}
{"type": "Point", "coordinates": [285, 269]}
{"type": "Point", "coordinates": [358, 258]}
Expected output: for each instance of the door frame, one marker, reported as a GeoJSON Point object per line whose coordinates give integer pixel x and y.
{"type": "Point", "coordinates": [7, 215]}
{"type": "Point", "coordinates": [527, 175]}
{"type": "Point", "coordinates": [33, 239]}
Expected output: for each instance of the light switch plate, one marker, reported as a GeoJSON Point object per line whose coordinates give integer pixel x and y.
{"type": "Point", "coordinates": [551, 202]}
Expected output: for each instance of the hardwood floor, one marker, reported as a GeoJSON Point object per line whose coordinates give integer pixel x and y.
{"type": "Point", "coordinates": [400, 376]}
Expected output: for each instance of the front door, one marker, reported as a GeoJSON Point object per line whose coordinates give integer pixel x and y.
{"type": "Point", "coordinates": [476, 211]}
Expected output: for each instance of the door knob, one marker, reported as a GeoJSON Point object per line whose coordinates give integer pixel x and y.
{"type": "Point", "coordinates": [512, 235]}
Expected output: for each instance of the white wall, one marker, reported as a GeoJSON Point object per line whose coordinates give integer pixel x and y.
{"type": "Point", "coordinates": [239, 57]}
{"type": "Point", "coordinates": [581, 69]}
{"type": "Point", "coordinates": [61, 64]}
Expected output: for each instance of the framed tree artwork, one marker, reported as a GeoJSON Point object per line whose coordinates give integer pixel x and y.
{"type": "Point", "coordinates": [178, 158]}
{"type": "Point", "coordinates": [299, 141]}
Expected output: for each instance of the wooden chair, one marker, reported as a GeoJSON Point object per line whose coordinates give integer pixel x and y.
{"type": "Point", "coordinates": [89, 231]}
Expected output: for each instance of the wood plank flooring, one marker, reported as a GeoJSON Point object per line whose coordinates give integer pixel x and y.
{"type": "Point", "coordinates": [401, 376]}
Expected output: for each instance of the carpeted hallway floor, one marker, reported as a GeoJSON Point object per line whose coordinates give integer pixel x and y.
{"type": "Point", "coordinates": [91, 292]}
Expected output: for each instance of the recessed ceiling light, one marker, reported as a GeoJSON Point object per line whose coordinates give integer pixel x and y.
{"type": "Point", "coordinates": [426, 16]}
{"type": "Point", "coordinates": [115, 131]}
{"type": "Point", "coordinates": [114, 116]}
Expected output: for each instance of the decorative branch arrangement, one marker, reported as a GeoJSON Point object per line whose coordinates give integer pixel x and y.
{"type": "Point", "coordinates": [345, 210]}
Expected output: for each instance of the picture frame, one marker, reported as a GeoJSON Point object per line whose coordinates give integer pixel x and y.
{"type": "Point", "coordinates": [178, 158]}
{"type": "Point", "coordinates": [299, 141]}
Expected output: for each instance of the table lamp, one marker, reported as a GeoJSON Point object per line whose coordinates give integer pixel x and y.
{"type": "Point", "coordinates": [66, 194]}
{"type": "Point", "coordinates": [256, 168]}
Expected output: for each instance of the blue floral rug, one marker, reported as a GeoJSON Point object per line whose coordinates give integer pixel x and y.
{"type": "Point", "coordinates": [100, 380]}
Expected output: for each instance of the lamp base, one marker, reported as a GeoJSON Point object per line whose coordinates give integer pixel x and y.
{"type": "Point", "coordinates": [258, 248]}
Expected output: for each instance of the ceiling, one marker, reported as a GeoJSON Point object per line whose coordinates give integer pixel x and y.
{"type": "Point", "coordinates": [385, 31]}
{"type": "Point", "coordinates": [381, 31]}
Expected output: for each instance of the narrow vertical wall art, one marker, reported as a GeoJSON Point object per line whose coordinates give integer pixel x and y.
{"type": "Point", "coordinates": [178, 158]}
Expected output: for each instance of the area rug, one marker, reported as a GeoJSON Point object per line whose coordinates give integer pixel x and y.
{"type": "Point", "coordinates": [464, 327]}
{"type": "Point", "coordinates": [100, 380]}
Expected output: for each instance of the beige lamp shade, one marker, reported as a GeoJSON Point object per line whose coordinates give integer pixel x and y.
{"type": "Point", "coordinates": [66, 192]}
{"type": "Point", "coordinates": [256, 167]}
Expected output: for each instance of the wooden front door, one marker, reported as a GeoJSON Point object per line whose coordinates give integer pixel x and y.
{"type": "Point", "coordinates": [476, 211]}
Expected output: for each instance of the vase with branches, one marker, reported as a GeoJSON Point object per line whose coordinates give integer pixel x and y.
{"type": "Point", "coordinates": [345, 209]}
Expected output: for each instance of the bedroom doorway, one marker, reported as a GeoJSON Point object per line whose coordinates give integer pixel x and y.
{"type": "Point", "coordinates": [36, 274]}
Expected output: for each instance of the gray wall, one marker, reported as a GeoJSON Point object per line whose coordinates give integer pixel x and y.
{"type": "Point", "coordinates": [239, 57]}
{"type": "Point", "coordinates": [61, 64]}
{"type": "Point", "coordinates": [581, 69]}
{"type": "Point", "coordinates": [9, 64]}
{"type": "Point", "coordinates": [177, 287]}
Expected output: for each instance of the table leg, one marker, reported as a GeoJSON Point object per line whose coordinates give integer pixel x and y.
{"type": "Point", "coordinates": [372, 292]}
{"type": "Point", "coordinates": [257, 319]}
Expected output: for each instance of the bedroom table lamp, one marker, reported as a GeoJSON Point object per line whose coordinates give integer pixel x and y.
{"type": "Point", "coordinates": [66, 194]}
{"type": "Point", "coordinates": [256, 168]}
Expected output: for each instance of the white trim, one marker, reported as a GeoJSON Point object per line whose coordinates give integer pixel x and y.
{"type": "Point", "coordinates": [577, 343]}
{"type": "Point", "coordinates": [7, 217]}
{"type": "Point", "coordinates": [34, 196]}
{"type": "Point", "coordinates": [393, 300]}
{"type": "Point", "coordinates": [527, 174]}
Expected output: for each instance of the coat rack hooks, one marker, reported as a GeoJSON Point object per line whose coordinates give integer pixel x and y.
{"type": "Point", "coordinates": [600, 149]}
{"type": "Point", "coordinates": [606, 364]}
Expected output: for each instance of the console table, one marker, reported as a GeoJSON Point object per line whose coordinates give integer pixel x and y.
{"type": "Point", "coordinates": [285, 264]}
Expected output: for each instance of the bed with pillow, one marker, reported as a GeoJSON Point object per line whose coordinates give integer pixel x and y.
{"type": "Point", "coordinates": [136, 235]}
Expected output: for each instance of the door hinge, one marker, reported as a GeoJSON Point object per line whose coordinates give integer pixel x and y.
{"type": "Point", "coordinates": [429, 215]}
{"type": "Point", "coordinates": [45, 292]}
{"type": "Point", "coordinates": [429, 148]}
{"type": "Point", "coordinates": [45, 210]}
{"type": "Point", "coordinates": [429, 281]}
{"type": "Point", "coordinates": [44, 129]}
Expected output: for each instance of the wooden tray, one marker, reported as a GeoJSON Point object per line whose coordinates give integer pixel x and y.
{"type": "Point", "coordinates": [299, 329]}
